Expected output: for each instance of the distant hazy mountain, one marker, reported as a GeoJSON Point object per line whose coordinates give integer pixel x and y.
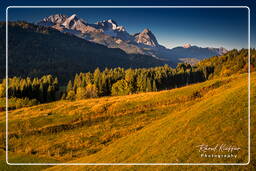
{"type": "Point", "coordinates": [197, 52]}
{"type": "Point", "coordinates": [109, 33]}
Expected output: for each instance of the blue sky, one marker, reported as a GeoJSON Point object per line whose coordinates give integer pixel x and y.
{"type": "Point", "coordinates": [172, 27]}
{"type": "Point", "coordinates": [208, 27]}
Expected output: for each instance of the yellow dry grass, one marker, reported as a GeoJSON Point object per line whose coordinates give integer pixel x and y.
{"type": "Point", "coordinates": [147, 127]}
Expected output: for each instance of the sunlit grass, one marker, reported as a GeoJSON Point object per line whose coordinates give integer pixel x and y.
{"type": "Point", "coordinates": [147, 127]}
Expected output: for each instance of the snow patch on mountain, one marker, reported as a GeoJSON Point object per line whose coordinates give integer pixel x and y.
{"type": "Point", "coordinates": [109, 33]}
{"type": "Point", "coordinates": [53, 20]}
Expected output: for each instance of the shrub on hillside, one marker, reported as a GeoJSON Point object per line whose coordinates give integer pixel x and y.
{"type": "Point", "coordinates": [24, 102]}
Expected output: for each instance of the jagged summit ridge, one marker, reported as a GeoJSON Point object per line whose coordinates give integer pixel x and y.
{"type": "Point", "coordinates": [109, 33]}
{"type": "Point", "coordinates": [110, 24]}
{"type": "Point", "coordinates": [74, 22]}
{"type": "Point", "coordinates": [53, 19]}
{"type": "Point", "coordinates": [109, 27]}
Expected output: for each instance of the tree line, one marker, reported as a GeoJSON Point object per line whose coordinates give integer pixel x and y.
{"type": "Point", "coordinates": [42, 89]}
{"type": "Point", "coordinates": [235, 61]}
{"type": "Point", "coordinates": [119, 81]}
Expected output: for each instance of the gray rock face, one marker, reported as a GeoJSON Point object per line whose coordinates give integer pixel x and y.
{"type": "Point", "coordinates": [111, 28]}
{"type": "Point", "coordinates": [73, 22]}
{"type": "Point", "coordinates": [53, 20]}
{"type": "Point", "coordinates": [146, 37]}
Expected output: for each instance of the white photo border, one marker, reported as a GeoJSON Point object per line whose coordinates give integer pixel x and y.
{"type": "Point", "coordinates": [107, 164]}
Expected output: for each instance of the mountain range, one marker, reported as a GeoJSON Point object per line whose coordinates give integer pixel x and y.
{"type": "Point", "coordinates": [65, 45]}
{"type": "Point", "coordinates": [110, 34]}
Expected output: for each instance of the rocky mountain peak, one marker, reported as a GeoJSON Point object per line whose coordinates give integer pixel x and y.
{"type": "Point", "coordinates": [74, 17]}
{"type": "Point", "coordinates": [111, 21]}
{"type": "Point", "coordinates": [186, 45]}
{"type": "Point", "coordinates": [147, 38]}
{"type": "Point", "coordinates": [222, 50]}
{"type": "Point", "coordinates": [146, 30]}
{"type": "Point", "coordinates": [109, 33]}
{"type": "Point", "coordinates": [73, 22]}
{"type": "Point", "coordinates": [53, 19]}
{"type": "Point", "coordinates": [63, 21]}
{"type": "Point", "coordinates": [110, 25]}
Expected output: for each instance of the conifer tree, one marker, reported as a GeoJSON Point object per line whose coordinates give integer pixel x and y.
{"type": "Point", "coordinates": [154, 86]}
{"type": "Point", "coordinates": [69, 86]}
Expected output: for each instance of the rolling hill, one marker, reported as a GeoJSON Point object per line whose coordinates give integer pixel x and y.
{"type": "Point", "coordinates": [165, 126]}
{"type": "Point", "coordinates": [216, 118]}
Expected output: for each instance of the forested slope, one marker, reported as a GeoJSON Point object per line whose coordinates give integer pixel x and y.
{"type": "Point", "coordinates": [35, 51]}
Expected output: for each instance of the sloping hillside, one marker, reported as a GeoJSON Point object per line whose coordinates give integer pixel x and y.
{"type": "Point", "coordinates": [164, 126]}
{"type": "Point", "coordinates": [219, 117]}
{"type": "Point", "coordinates": [235, 61]}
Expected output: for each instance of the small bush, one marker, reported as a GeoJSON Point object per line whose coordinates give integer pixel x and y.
{"type": "Point", "coordinates": [25, 102]}
{"type": "Point", "coordinates": [71, 95]}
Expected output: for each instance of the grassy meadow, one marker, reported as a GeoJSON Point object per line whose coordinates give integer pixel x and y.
{"type": "Point", "coordinates": [154, 127]}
